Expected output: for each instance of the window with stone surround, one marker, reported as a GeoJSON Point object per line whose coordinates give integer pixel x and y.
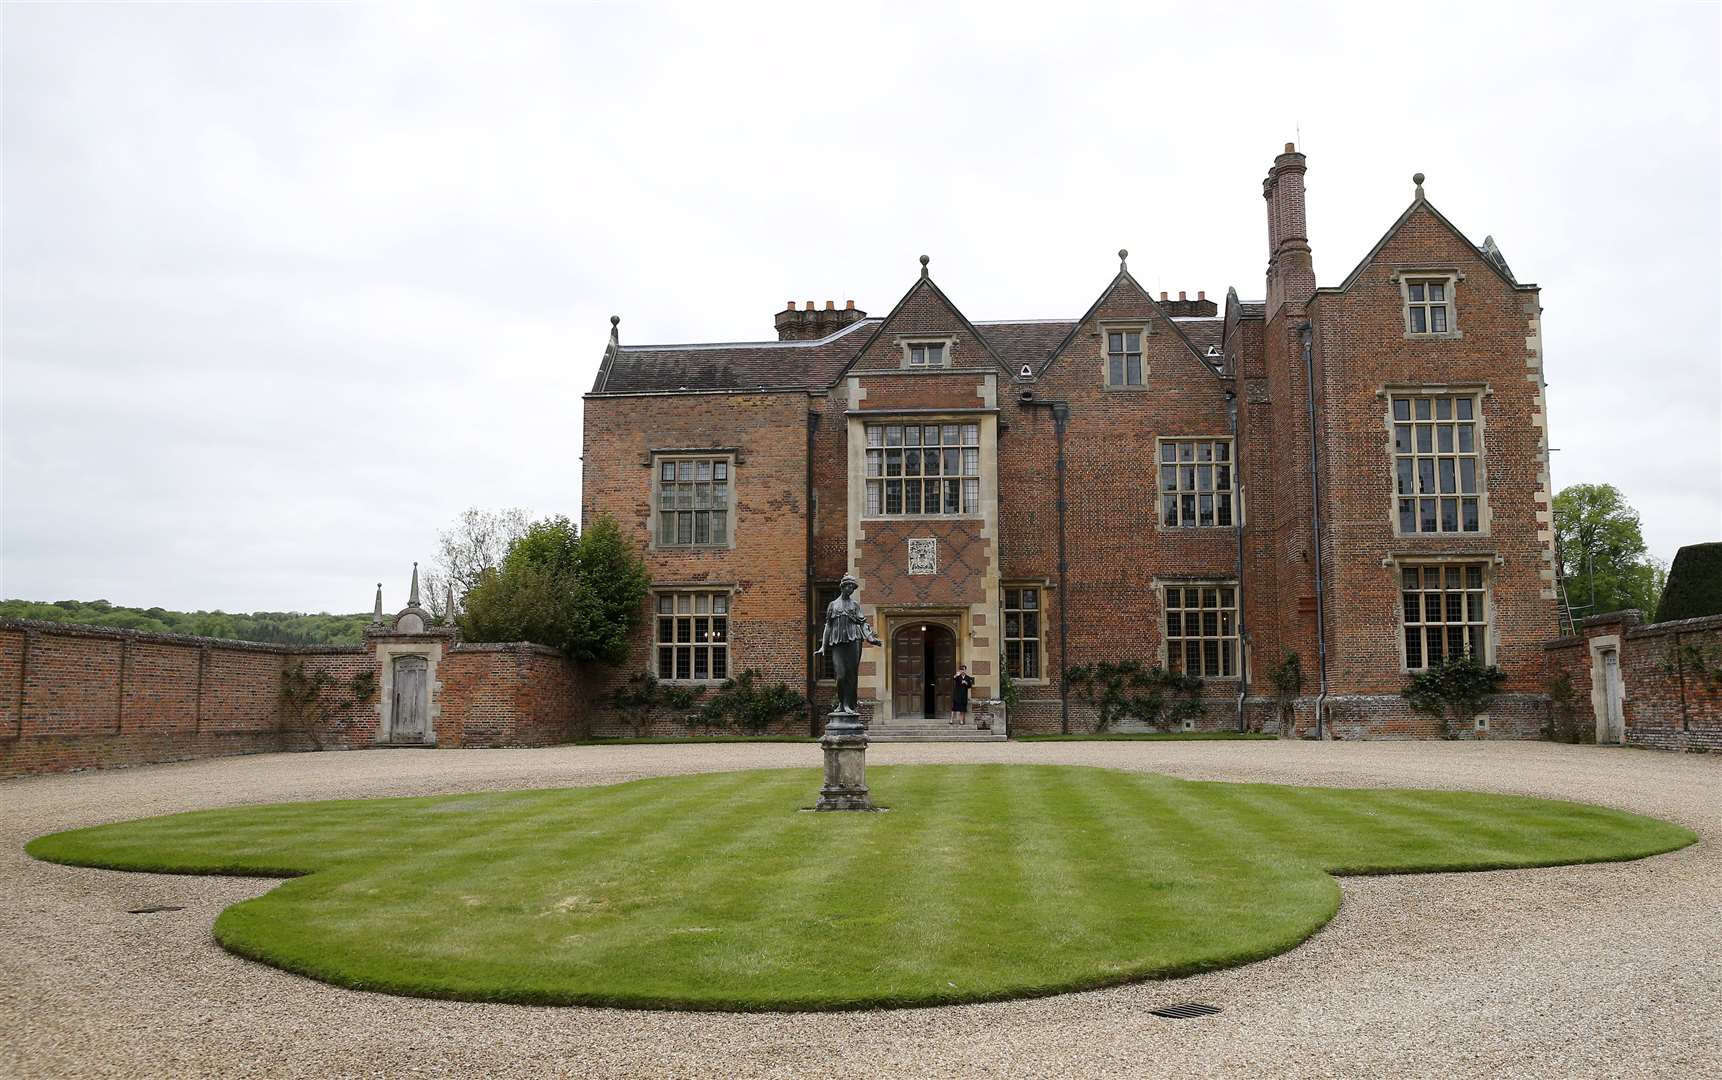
{"type": "Point", "coordinates": [1197, 486]}
{"type": "Point", "coordinates": [693, 500]}
{"type": "Point", "coordinates": [1428, 304]}
{"type": "Point", "coordinates": [1437, 463]}
{"type": "Point", "coordinates": [1022, 632]}
{"type": "Point", "coordinates": [1445, 607]}
{"type": "Point", "coordinates": [926, 354]}
{"type": "Point", "coordinates": [825, 595]}
{"type": "Point", "coordinates": [1124, 356]}
{"type": "Point", "coordinates": [1202, 629]}
{"type": "Point", "coordinates": [923, 469]}
{"type": "Point", "coordinates": [692, 637]}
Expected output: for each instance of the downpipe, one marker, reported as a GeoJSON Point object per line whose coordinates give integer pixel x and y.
{"type": "Point", "coordinates": [1238, 529]}
{"type": "Point", "coordinates": [1307, 333]}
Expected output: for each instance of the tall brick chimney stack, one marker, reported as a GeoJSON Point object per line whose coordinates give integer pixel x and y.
{"type": "Point", "coordinates": [812, 322]}
{"type": "Point", "coordinates": [1291, 270]}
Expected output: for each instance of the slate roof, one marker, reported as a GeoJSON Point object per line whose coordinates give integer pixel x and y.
{"type": "Point", "coordinates": [748, 365]}
{"type": "Point", "coordinates": [742, 365]}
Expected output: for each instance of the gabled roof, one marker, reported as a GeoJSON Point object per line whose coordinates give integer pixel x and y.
{"type": "Point", "coordinates": [1178, 326]}
{"type": "Point", "coordinates": [925, 284]}
{"type": "Point", "coordinates": [1489, 253]}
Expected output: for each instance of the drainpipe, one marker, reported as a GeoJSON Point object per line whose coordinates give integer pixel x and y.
{"type": "Point", "coordinates": [1238, 529]}
{"type": "Point", "coordinates": [1060, 420]}
{"type": "Point", "coordinates": [812, 589]}
{"type": "Point", "coordinates": [1307, 333]}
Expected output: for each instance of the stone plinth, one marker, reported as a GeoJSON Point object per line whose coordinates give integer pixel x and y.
{"type": "Point", "coordinates": [845, 745]}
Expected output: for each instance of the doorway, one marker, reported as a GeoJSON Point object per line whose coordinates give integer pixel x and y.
{"type": "Point", "coordinates": [1613, 722]}
{"type": "Point", "coordinates": [923, 663]}
{"type": "Point", "coordinates": [411, 705]}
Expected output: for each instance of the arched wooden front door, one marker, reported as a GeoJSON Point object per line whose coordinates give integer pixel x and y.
{"type": "Point", "coordinates": [923, 663]}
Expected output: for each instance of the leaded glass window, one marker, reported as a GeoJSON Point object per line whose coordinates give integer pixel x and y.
{"type": "Point", "coordinates": [1197, 483]}
{"type": "Point", "coordinates": [923, 469]}
{"type": "Point", "coordinates": [1202, 630]}
{"type": "Point", "coordinates": [1446, 613]}
{"type": "Point", "coordinates": [693, 636]}
{"type": "Point", "coordinates": [693, 502]}
{"type": "Point", "coordinates": [1437, 467]}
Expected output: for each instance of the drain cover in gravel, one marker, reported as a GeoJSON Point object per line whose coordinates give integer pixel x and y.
{"type": "Point", "coordinates": [1185, 1011]}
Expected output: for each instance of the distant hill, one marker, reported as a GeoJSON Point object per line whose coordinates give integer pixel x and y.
{"type": "Point", "coordinates": [277, 627]}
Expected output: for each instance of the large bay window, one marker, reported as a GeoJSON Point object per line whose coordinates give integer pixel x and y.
{"type": "Point", "coordinates": [923, 469]}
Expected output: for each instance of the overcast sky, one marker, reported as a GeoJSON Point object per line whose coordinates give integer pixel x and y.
{"type": "Point", "coordinates": [288, 287]}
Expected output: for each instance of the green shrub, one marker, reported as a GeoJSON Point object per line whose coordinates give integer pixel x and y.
{"type": "Point", "coordinates": [1287, 681]}
{"type": "Point", "coordinates": [314, 704]}
{"type": "Point", "coordinates": [1565, 723]}
{"type": "Point", "coordinates": [642, 697]}
{"type": "Point", "coordinates": [752, 705]}
{"type": "Point", "coordinates": [1694, 586]}
{"type": "Point", "coordinates": [1126, 690]}
{"type": "Point", "coordinates": [1456, 690]}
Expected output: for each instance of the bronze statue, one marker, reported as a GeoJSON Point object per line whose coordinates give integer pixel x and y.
{"type": "Point", "coordinates": [846, 631]}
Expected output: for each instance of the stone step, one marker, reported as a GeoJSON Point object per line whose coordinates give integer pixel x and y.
{"type": "Point", "coordinates": [900, 735]}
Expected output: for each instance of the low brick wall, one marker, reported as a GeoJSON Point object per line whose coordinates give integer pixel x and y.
{"type": "Point", "coordinates": [1670, 675]}
{"type": "Point", "coordinates": [80, 697]}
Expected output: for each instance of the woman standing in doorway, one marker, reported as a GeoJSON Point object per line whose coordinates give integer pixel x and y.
{"type": "Point", "coordinates": [960, 694]}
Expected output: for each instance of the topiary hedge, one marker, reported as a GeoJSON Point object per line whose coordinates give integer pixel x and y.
{"type": "Point", "coordinates": [1694, 584]}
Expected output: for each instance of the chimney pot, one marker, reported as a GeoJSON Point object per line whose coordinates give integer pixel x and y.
{"type": "Point", "coordinates": [1162, 294]}
{"type": "Point", "coordinates": [1201, 295]}
{"type": "Point", "coordinates": [1180, 294]}
{"type": "Point", "coordinates": [1291, 148]}
{"type": "Point", "coordinates": [811, 305]}
{"type": "Point", "coordinates": [791, 305]}
{"type": "Point", "coordinates": [848, 305]}
{"type": "Point", "coordinates": [830, 305]}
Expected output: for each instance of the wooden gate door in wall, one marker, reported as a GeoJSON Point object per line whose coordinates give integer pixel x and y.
{"type": "Point", "coordinates": [908, 672]}
{"type": "Point", "coordinates": [411, 700]}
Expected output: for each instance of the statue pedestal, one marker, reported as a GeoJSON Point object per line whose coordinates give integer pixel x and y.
{"type": "Point", "coordinates": [845, 745]}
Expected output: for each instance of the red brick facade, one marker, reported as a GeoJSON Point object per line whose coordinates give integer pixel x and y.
{"type": "Point", "coordinates": [1042, 392]}
{"type": "Point", "coordinates": [1669, 682]}
{"type": "Point", "coordinates": [85, 697]}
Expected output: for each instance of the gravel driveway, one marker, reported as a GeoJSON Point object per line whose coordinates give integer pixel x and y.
{"type": "Point", "coordinates": [1611, 970]}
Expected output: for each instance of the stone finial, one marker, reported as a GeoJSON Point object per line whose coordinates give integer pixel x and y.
{"type": "Point", "coordinates": [413, 598]}
{"type": "Point", "coordinates": [448, 607]}
{"type": "Point", "coordinates": [615, 329]}
{"type": "Point", "coordinates": [377, 613]}
{"type": "Point", "coordinates": [1417, 178]}
{"type": "Point", "coordinates": [1123, 256]}
{"type": "Point", "coordinates": [924, 261]}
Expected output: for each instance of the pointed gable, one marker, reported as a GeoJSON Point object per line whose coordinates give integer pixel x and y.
{"type": "Point", "coordinates": [1124, 300]}
{"type": "Point", "coordinates": [1430, 225]}
{"type": "Point", "coordinates": [926, 313]}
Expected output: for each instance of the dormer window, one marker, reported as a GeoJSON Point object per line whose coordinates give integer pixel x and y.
{"type": "Point", "coordinates": [920, 355]}
{"type": "Point", "coordinates": [1428, 305]}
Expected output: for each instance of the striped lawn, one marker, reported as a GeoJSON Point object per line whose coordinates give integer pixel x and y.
{"type": "Point", "coordinates": [712, 892]}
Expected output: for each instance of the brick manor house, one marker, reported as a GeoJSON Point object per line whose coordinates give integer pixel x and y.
{"type": "Point", "coordinates": [1355, 473]}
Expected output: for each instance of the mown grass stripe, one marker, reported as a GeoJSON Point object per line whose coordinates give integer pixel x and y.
{"type": "Point", "coordinates": [715, 892]}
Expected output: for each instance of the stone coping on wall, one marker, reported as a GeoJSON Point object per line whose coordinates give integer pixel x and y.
{"type": "Point", "coordinates": [46, 626]}
{"type": "Point", "coordinates": [1676, 626]}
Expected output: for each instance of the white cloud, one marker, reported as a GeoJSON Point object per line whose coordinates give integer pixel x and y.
{"type": "Point", "coordinates": [287, 286]}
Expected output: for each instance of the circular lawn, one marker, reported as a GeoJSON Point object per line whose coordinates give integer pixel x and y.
{"type": "Point", "coordinates": [712, 891]}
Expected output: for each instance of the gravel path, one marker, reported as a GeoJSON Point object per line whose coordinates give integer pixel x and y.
{"type": "Point", "coordinates": [1612, 970]}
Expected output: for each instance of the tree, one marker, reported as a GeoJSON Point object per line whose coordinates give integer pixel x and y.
{"type": "Point", "coordinates": [582, 594]}
{"type": "Point", "coordinates": [1603, 557]}
{"type": "Point", "coordinates": [1456, 690]}
{"type": "Point", "coordinates": [476, 542]}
